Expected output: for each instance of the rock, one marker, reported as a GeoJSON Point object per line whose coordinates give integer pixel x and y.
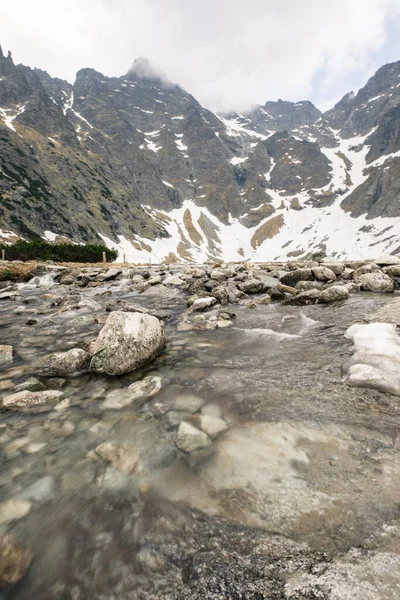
{"type": "Point", "coordinates": [251, 286]}
{"type": "Point", "coordinates": [286, 289]}
{"type": "Point", "coordinates": [323, 274]}
{"type": "Point", "coordinates": [386, 260]}
{"type": "Point", "coordinates": [112, 273]}
{"type": "Point", "coordinates": [292, 277]}
{"type": "Point", "coordinates": [172, 419]}
{"type": "Point", "coordinates": [188, 403]}
{"type": "Point", "coordinates": [218, 275]}
{"type": "Point", "coordinates": [212, 410]}
{"type": "Point", "coordinates": [302, 286]}
{"type": "Point", "coordinates": [203, 303]}
{"type": "Point", "coordinates": [61, 364]}
{"type": "Point", "coordinates": [335, 293]}
{"type": "Point", "coordinates": [151, 560]}
{"type": "Point", "coordinates": [188, 438]}
{"type": "Point", "coordinates": [126, 342]}
{"type": "Point", "coordinates": [120, 457]}
{"type": "Point", "coordinates": [375, 282]}
{"type": "Point", "coordinates": [145, 389]}
{"type": "Point", "coordinates": [276, 294]}
{"type": "Point", "coordinates": [367, 268]}
{"type": "Point", "coordinates": [392, 271]}
{"type": "Point", "coordinates": [173, 280]}
{"type": "Point", "coordinates": [10, 295]}
{"type": "Point", "coordinates": [154, 280]}
{"type": "Point", "coordinates": [28, 401]}
{"type": "Point", "coordinates": [6, 354]}
{"type": "Point", "coordinates": [221, 294]}
{"type": "Point", "coordinates": [335, 266]}
{"type": "Point", "coordinates": [303, 298]}
{"type": "Point", "coordinates": [14, 560]}
{"type": "Point", "coordinates": [267, 281]}
{"type": "Point", "coordinates": [13, 509]}
{"type": "Point", "coordinates": [211, 425]}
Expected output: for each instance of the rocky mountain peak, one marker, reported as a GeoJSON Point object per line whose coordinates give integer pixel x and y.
{"type": "Point", "coordinates": [143, 70]}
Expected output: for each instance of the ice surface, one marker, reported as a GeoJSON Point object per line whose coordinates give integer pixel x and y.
{"type": "Point", "coordinates": [376, 359]}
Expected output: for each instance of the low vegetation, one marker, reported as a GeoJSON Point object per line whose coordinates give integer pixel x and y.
{"type": "Point", "coordinates": [40, 250]}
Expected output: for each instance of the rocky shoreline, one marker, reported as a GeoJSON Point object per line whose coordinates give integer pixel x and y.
{"type": "Point", "coordinates": [136, 404]}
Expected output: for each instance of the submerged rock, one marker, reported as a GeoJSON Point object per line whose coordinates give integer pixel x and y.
{"type": "Point", "coordinates": [119, 456]}
{"type": "Point", "coordinates": [61, 364]}
{"type": "Point", "coordinates": [6, 354]}
{"type": "Point", "coordinates": [145, 389]}
{"type": "Point", "coordinates": [27, 401]}
{"type": "Point", "coordinates": [14, 560]}
{"type": "Point", "coordinates": [188, 438]}
{"type": "Point", "coordinates": [126, 342]}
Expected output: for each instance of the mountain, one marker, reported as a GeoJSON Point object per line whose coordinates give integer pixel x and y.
{"type": "Point", "coordinates": [135, 161]}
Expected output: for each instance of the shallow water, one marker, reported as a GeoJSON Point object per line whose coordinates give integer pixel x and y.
{"type": "Point", "coordinates": [305, 456]}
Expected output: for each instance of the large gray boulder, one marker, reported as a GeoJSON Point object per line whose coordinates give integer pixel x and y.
{"type": "Point", "coordinates": [61, 364]}
{"type": "Point", "coordinates": [292, 277]}
{"type": "Point", "coordinates": [126, 342]}
{"type": "Point", "coordinates": [27, 401]}
{"type": "Point", "coordinates": [375, 282]}
{"type": "Point", "coordinates": [335, 293]}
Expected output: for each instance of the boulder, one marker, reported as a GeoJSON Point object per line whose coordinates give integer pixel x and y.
{"type": "Point", "coordinates": [335, 293]}
{"type": "Point", "coordinates": [386, 260]}
{"type": "Point", "coordinates": [336, 266]}
{"type": "Point", "coordinates": [212, 426]}
{"type": "Point", "coordinates": [126, 342]}
{"type": "Point", "coordinates": [218, 275]}
{"type": "Point", "coordinates": [367, 268]}
{"type": "Point", "coordinates": [392, 271]}
{"type": "Point", "coordinates": [221, 294]}
{"type": "Point", "coordinates": [375, 282]}
{"type": "Point", "coordinates": [14, 560]}
{"type": "Point", "coordinates": [292, 277]}
{"type": "Point", "coordinates": [203, 303]}
{"type": "Point", "coordinates": [111, 274]}
{"type": "Point", "coordinates": [61, 364]}
{"type": "Point", "coordinates": [189, 439]}
{"type": "Point", "coordinates": [302, 286]}
{"type": "Point", "coordinates": [27, 401]}
{"type": "Point", "coordinates": [251, 286]}
{"type": "Point", "coordinates": [307, 297]}
{"type": "Point", "coordinates": [323, 274]}
{"type": "Point", "coordinates": [173, 280]}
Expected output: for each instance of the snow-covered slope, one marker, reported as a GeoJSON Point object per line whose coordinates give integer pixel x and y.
{"type": "Point", "coordinates": [138, 163]}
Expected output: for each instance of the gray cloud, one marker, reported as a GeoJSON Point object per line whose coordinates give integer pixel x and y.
{"type": "Point", "coordinates": [229, 54]}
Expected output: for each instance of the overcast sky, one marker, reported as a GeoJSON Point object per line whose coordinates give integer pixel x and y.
{"type": "Point", "coordinates": [230, 54]}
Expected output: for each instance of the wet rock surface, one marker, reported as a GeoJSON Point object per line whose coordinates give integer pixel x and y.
{"type": "Point", "coordinates": [233, 463]}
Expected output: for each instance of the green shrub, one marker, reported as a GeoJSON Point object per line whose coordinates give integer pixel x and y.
{"type": "Point", "coordinates": [38, 249]}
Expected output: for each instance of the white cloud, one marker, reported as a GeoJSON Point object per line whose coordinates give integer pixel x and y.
{"type": "Point", "coordinates": [227, 53]}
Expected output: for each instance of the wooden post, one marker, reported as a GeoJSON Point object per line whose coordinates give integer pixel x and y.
{"type": "Point", "coordinates": [3, 254]}
{"type": "Point", "coordinates": [124, 259]}
{"type": "Point", "coordinates": [104, 257]}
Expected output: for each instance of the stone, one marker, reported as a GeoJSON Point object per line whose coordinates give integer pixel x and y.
{"type": "Point", "coordinates": [302, 286]}
{"type": "Point", "coordinates": [292, 277]}
{"type": "Point", "coordinates": [172, 419]}
{"type": "Point", "coordinates": [61, 364]}
{"type": "Point", "coordinates": [13, 509]}
{"type": "Point", "coordinates": [111, 274]}
{"type": "Point", "coordinates": [15, 560]}
{"type": "Point", "coordinates": [27, 401]}
{"type": "Point", "coordinates": [392, 270]}
{"type": "Point", "coordinates": [303, 298]}
{"type": "Point", "coordinates": [212, 426]}
{"type": "Point", "coordinates": [218, 275]}
{"type": "Point", "coordinates": [251, 286]}
{"type": "Point", "coordinates": [6, 354]}
{"type": "Point", "coordinates": [126, 342]}
{"type": "Point", "coordinates": [9, 295]}
{"type": "Point", "coordinates": [145, 389]}
{"type": "Point", "coordinates": [188, 438]}
{"type": "Point", "coordinates": [221, 294]}
{"type": "Point", "coordinates": [335, 293]}
{"type": "Point", "coordinates": [367, 268]}
{"type": "Point", "coordinates": [119, 456]}
{"type": "Point", "coordinates": [154, 280]}
{"type": "Point", "coordinates": [173, 280]}
{"type": "Point", "coordinates": [188, 403]}
{"type": "Point", "coordinates": [336, 266]}
{"type": "Point", "coordinates": [386, 260]}
{"type": "Point", "coordinates": [324, 274]}
{"type": "Point", "coordinates": [375, 282]}
{"type": "Point", "coordinates": [203, 303]}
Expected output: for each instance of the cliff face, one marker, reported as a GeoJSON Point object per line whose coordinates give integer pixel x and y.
{"type": "Point", "coordinates": [137, 162]}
